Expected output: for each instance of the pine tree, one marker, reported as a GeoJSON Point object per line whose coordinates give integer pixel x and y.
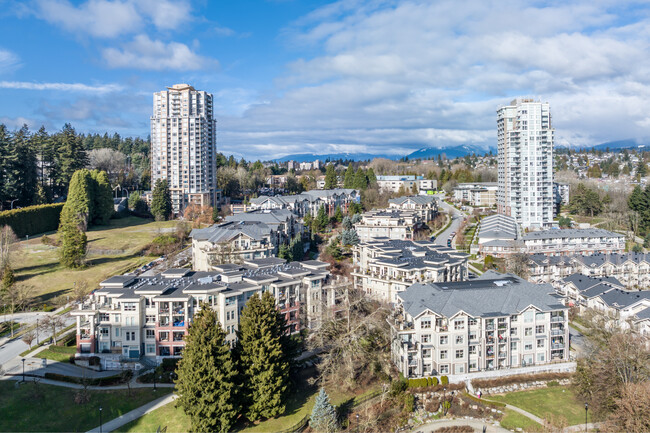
{"type": "Point", "coordinates": [70, 156]}
{"type": "Point", "coordinates": [322, 219]}
{"type": "Point", "coordinates": [348, 181]}
{"type": "Point", "coordinates": [331, 181]}
{"type": "Point", "coordinates": [8, 277]}
{"type": "Point", "coordinates": [73, 243]}
{"type": "Point", "coordinates": [161, 201]}
{"type": "Point", "coordinates": [285, 253]}
{"type": "Point", "coordinates": [372, 179]}
{"type": "Point", "coordinates": [102, 198]}
{"type": "Point", "coordinates": [262, 350]}
{"type": "Point", "coordinates": [78, 207]}
{"type": "Point", "coordinates": [323, 415]}
{"type": "Point", "coordinates": [338, 214]}
{"type": "Point", "coordinates": [360, 180]}
{"type": "Point", "coordinates": [346, 223]}
{"type": "Point", "coordinates": [207, 376]}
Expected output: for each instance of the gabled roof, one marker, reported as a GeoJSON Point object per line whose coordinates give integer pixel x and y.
{"type": "Point", "coordinates": [227, 231]}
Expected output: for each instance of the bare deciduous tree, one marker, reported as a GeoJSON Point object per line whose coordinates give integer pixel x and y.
{"type": "Point", "coordinates": [17, 297]}
{"type": "Point", "coordinates": [109, 160]}
{"type": "Point", "coordinates": [7, 239]}
{"type": "Point", "coordinates": [632, 412]}
{"type": "Point", "coordinates": [28, 338]}
{"type": "Point", "coordinates": [52, 323]}
{"type": "Point", "coordinates": [518, 264]}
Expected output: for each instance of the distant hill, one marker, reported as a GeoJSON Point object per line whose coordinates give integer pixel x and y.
{"type": "Point", "coordinates": [622, 144]}
{"type": "Point", "coordinates": [306, 157]}
{"type": "Point", "coordinates": [449, 152]}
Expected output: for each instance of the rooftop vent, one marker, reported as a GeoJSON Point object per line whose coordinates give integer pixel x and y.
{"type": "Point", "coordinates": [501, 283]}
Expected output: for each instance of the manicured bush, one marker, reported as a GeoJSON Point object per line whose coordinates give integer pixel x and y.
{"type": "Point", "coordinates": [93, 360]}
{"type": "Point", "coordinates": [104, 381]}
{"type": "Point", "coordinates": [444, 380]}
{"type": "Point", "coordinates": [519, 378]}
{"type": "Point", "coordinates": [434, 381]}
{"type": "Point", "coordinates": [169, 364]}
{"type": "Point", "coordinates": [32, 220]}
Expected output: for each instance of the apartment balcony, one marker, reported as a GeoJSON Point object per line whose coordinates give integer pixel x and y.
{"type": "Point", "coordinates": [557, 346]}
{"type": "Point", "coordinates": [557, 331]}
{"type": "Point", "coordinates": [555, 319]}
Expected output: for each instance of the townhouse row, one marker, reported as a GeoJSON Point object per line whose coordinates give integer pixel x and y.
{"type": "Point", "coordinates": [133, 316]}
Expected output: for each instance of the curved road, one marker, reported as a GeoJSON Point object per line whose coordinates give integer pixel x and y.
{"type": "Point", "coordinates": [456, 219]}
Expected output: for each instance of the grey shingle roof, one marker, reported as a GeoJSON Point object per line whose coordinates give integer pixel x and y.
{"type": "Point", "coordinates": [422, 200]}
{"type": "Point", "coordinates": [584, 282]}
{"type": "Point", "coordinates": [492, 294]}
{"type": "Point", "coordinates": [570, 233]}
{"type": "Point", "coordinates": [229, 230]}
{"type": "Point", "coordinates": [622, 298]}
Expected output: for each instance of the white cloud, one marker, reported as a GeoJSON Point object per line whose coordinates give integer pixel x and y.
{"type": "Point", "coordinates": [67, 87]}
{"type": "Point", "coordinates": [166, 14]}
{"type": "Point", "coordinates": [224, 31]}
{"type": "Point", "coordinates": [8, 61]}
{"type": "Point", "coordinates": [145, 53]}
{"type": "Point", "coordinates": [99, 18]}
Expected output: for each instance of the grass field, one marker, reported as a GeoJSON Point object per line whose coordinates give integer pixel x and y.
{"type": "Point", "coordinates": [552, 402]}
{"type": "Point", "coordinates": [62, 355]}
{"type": "Point", "coordinates": [47, 408]}
{"type": "Point", "coordinates": [300, 404]}
{"type": "Point", "coordinates": [513, 420]}
{"type": "Point", "coordinates": [112, 249]}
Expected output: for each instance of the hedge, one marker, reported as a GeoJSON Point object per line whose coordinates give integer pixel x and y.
{"type": "Point", "coordinates": [32, 220]}
{"type": "Point", "coordinates": [103, 381]}
{"type": "Point", "coordinates": [423, 382]}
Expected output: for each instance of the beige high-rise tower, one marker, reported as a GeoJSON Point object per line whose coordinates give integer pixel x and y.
{"type": "Point", "coordinates": [184, 145]}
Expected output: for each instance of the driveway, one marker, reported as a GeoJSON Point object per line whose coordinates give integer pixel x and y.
{"type": "Point", "coordinates": [456, 220]}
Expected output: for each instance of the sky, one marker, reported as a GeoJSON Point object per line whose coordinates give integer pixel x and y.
{"type": "Point", "coordinates": [308, 76]}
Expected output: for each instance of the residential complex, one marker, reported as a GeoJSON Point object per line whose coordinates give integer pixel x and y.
{"type": "Point", "coordinates": [479, 194]}
{"type": "Point", "coordinates": [184, 145]}
{"type": "Point", "coordinates": [632, 270]}
{"type": "Point", "coordinates": [388, 224]}
{"type": "Point", "coordinates": [309, 201]}
{"type": "Point", "coordinates": [384, 268]}
{"type": "Point", "coordinates": [133, 316]}
{"type": "Point", "coordinates": [494, 322]}
{"type": "Point", "coordinates": [406, 183]}
{"type": "Point", "coordinates": [624, 309]}
{"type": "Point", "coordinates": [500, 236]}
{"type": "Point", "coordinates": [525, 162]}
{"type": "Point", "coordinates": [425, 205]}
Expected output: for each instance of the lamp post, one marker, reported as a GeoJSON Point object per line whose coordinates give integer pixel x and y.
{"type": "Point", "coordinates": [12, 202]}
{"type": "Point", "coordinates": [37, 331]}
{"type": "Point", "coordinates": [23, 368]}
{"type": "Point", "coordinates": [100, 419]}
{"type": "Point", "coordinates": [154, 381]}
{"type": "Point", "coordinates": [444, 400]}
{"type": "Point", "coordinates": [586, 412]}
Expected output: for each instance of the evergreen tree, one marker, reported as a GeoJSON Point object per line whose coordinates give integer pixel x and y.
{"type": "Point", "coordinates": [297, 249]}
{"type": "Point", "coordinates": [206, 385]}
{"type": "Point", "coordinates": [346, 223]}
{"type": "Point", "coordinates": [338, 214]}
{"type": "Point", "coordinates": [372, 179]}
{"type": "Point", "coordinates": [642, 169]}
{"type": "Point", "coordinates": [323, 415]}
{"type": "Point", "coordinates": [348, 181]}
{"type": "Point", "coordinates": [360, 180]}
{"type": "Point", "coordinates": [262, 350]}
{"type": "Point", "coordinates": [284, 252]}
{"type": "Point", "coordinates": [349, 237]}
{"type": "Point", "coordinates": [331, 181]}
{"type": "Point", "coordinates": [70, 156]}
{"type": "Point", "coordinates": [308, 220]}
{"type": "Point", "coordinates": [73, 242]}
{"type": "Point", "coordinates": [161, 201]}
{"type": "Point", "coordinates": [322, 219]}
{"type": "Point", "coordinates": [8, 277]}
{"type": "Point", "coordinates": [102, 198]}
{"type": "Point", "coordinates": [78, 207]}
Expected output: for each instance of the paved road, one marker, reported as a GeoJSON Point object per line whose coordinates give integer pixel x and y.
{"type": "Point", "coordinates": [457, 218]}
{"type": "Point", "coordinates": [577, 339]}
{"type": "Point", "coordinates": [476, 424]}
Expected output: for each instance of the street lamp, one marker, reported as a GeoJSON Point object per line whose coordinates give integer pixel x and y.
{"type": "Point", "coordinates": [100, 419]}
{"type": "Point", "coordinates": [37, 331]}
{"type": "Point", "coordinates": [154, 381]}
{"type": "Point", "coordinates": [23, 368]}
{"type": "Point", "coordinates": [586, 412]}
{"type": "Point", "coordinates": [12, 202]}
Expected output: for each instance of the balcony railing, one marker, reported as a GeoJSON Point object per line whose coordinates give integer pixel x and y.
{"type": "Point", "coordinates": [557, 318]}
{"type": "Point", "coordinates": [557, 331]}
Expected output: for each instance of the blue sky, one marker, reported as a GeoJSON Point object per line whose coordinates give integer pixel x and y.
{"type": "Point", "coordinates": [294, 76]}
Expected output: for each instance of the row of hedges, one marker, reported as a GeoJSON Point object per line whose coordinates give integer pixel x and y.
{"type": "Point", "coordinates": [102, 381]}
{"type": "Point", "coordinates": [32, 220]}
{"type": "Point", "coordinates": [518, 378]}
{"type": "Point", "coordinates": [428, 381]}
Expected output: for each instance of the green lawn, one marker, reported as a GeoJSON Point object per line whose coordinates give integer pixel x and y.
{"type": "Point", "coordinates": [513, 420]}
{"type": "Point", "coordinates": [112, 249]}
{"type": "Point", "coordinates": [47, 408]}
{"type": "Point", "coordinates": [62, 354]}
{"type": "Point", "coordinates": [556, 401]}
{"type": "Point", "coordinates": [300, 404]}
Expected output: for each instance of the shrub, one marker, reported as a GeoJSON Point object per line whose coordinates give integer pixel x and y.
{"type": "Point", "coordinates": [48, 308]}
{"type": "Point", "coordinates": [93, 360]}
{"type": "Point", "coordinates": [32, 220]}
{"type": "Point", "coordinates": [398, 386]}
{"type": "Point", "coordinates": [519, 378]}
{"type": "Point", "coordinates": [104, 381]}
{"type": "Point", "coordinates": [553, 383]}
{"type": "Point", "coordinates": [169, 364]}
{"type": "Point", "coordinates": [408, 403]}
{"type": "Point", "coordinates": [444, 380]}
{"type": "Point", "coordinates": [46, 240]}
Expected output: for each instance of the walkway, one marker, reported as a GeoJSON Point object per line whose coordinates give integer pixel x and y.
{"type": "Point", "coordinates": [133, 384]}
{"type": "Point", "coordinates": [477, 425]}
{"type": "Point", "coordinates": [118, 422]}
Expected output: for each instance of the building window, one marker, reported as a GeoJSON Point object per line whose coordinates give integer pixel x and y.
{"type": "Point", "coordinates": [513, 331]}
{"type": "Point", "coordinates": [129, 306]}
{"type": "Point", "coordinates": [104, 332]}
{"type": "Point", "coordinates": [444, 339]}
{"type": "Point", "coordinates": [472, 335]}
{"type": "Point", "coordinates": [104, 317]}
{"type": "Point", "coordinates": [513, 345]}
{"type": "Point", "coordinates": [150, 319]}
{"type": "Point", "coordinates": [444, 369]}
{"type": "Point", "coordinates": [116, 318]}
{"type": "Point", "coordinates": [426, 353]}
{"type": "Point", "coordinates": [529, 316]}
{"type": "Point", "coordinates": [117, 332]}
{"type": "Point", "coordinates": [443, 354]}
{"type": "Point", "coordinates": [425, 324]}
{"type": "Point", "coordinates": [540, 357]}
{"type": "Point", "coordinates": [150, 333]}
{"type": "Point", "coordinates": [539, 317]}
{"type": "Point", "coordinates": [471, 321]}
{"type": "Point", "coordinates": [426, 338]}
{"type": "Point", "coordinates": [528, 346]}
{"type": "Point", "coordinates": [473, 366]}
{"type": "Point", "coordinates": [472, 350]}
{"type": "Point", "coordinates": [460, 354]}
{"type": "Point", "coordinates": [539, 329]}
{"type": "Point", "coordinates": [163, 336]}
{"type": "Point", "coordinates": [528, 332]}
{"type": "Point", "coordinates": [459, 325]}
{"type": "Point", "coordinates": [151, 348]}
{"type": "Point", "coordinates": [459, 339]}
{"type": "Point", "coordinates": [540, 343]}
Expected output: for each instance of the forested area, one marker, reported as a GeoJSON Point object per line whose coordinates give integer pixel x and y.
{"type": "Point", "coordinates": [36, 166]}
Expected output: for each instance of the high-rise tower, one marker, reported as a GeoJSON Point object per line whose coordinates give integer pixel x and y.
{"type": "Point", "coordinates": [184, 145]}
{"type": "Point", "coordinates": [525, 145]}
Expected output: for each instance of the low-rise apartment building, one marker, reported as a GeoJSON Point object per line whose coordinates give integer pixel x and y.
{"type": "Point", "coordinates": [309, 201]}
{"type": "Point", "coordinates": [498, 321]}
{"type": "Point", "coordinates": [389, 224]}
{"type": "Point", "coordinates": [134, 316]}
{"type": "Point", "coordinates": [284, 222]}
{"type": "Point", "coordinates": [406, 183]}
{"type": "Point", "coordinates": [425, 205]}
{"type": "Point", "coordinates": [574, 241]}
{"type": "Point", "coordinates": [385, 268]}
{"type": "Point", "coordinates": [630, 269]}
{"type": "Point", "coordinates": [478, 194]}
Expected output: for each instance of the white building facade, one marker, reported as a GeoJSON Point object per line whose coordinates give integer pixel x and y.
{"type": "Point", "coordinates": [525, 162]}
{"type": "Point", "coordinates": [184, 145]}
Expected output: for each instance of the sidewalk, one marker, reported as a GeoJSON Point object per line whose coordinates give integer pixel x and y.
{"type": "Point", "coordinates": [118, 422]}
{"type": "Point", "coordinates": [133, 383]}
